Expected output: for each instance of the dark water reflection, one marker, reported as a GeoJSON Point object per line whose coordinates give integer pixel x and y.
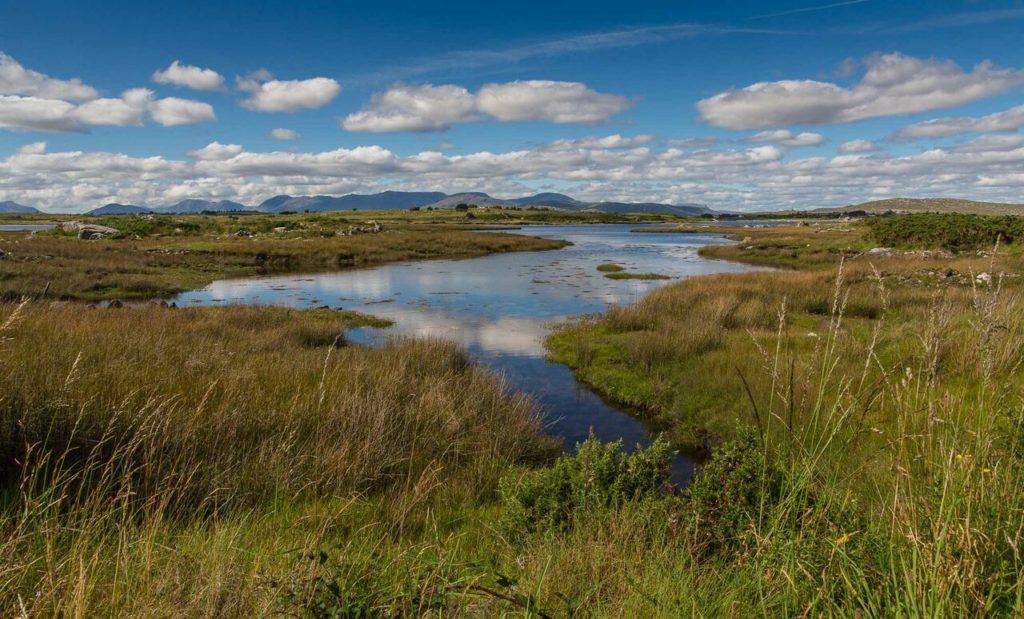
{"type": "Point", "coordinates": [501, 308]}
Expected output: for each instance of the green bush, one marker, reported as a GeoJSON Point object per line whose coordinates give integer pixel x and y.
{"type": "Point", "coordinates": [726, 498]}
{"type": "Point", "coordinates": [599, 476]}
{"type": "Point", "coordinates": [952, 231]}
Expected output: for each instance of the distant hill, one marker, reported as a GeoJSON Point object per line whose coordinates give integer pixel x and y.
{"type": "Point", "coordinates": [564, 202]}
{"type": "Point", "coordinates": [199, 206]}
{"type": "Point", "coordinates": [544, 199]}
{"type": "Point", "coordinates": [471, 198]}
{"type": "Point", "coordinates": [682, 210]}
{"type": "Point", "coordinates": [14, 207]}
{"type": "Point", "coordinates": [119, 209]}
{"type": "Point", "coordinates": [931, 205]}
{"type": "Point", "coordinates": [401, 200]}
{"type": "Point", "coordinates": [387, 200]}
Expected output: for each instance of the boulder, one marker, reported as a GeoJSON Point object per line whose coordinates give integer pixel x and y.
{"type": "Point", "coordinates": [92, 231]}
{"type": "Point", "coordinates": [88, 231]}
{"type": "Point", "coordinates": [880, 251]}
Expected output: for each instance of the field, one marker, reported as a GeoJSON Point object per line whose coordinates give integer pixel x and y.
{"type": "Point", "coordinates": [165, 255]}
{"type": "Point", "coordinates": [859, 413]}
{"type": "Point", "coordinates": [882, 391]}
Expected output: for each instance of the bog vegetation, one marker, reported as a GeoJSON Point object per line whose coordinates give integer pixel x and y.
{"type": "Point", "coordinates": [953, 232]}
{"type": "Point", "coordinates": [862, 419]}
{"type": "Point", "coordinates": [162, 255]}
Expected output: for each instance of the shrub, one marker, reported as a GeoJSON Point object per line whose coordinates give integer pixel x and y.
{"type": "Point", "coordinates": [599, 476]}
{"type": "Point", "coordinates": [951, 231]}
{"type": "Point", "coordinates": [726, 497]}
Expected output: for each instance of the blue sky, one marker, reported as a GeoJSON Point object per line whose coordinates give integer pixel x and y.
{"type": "Point", "coordinates": [738, 105]}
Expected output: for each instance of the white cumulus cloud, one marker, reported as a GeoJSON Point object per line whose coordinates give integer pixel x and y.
{"type": "Point", "coordinates": [598, 168]}
{"type": "Point", "coordinates": [35, 114]}
{"type": "Point", "coordinates": [32, 148]}
{"type": "Point", "coordinates": [189, 76]}
{"type": "Point", "coordinates": [414, 108]}
{"type": "Point", "coordinates": [284, 134]}
{"type": "Point", "coordinates": [893, 84]}
{"type": "Point", "coordinates": [172, 111]}
{"type": "Point", "coordinates": [1007, 120]}
{"type": "Point", "coordinates": [785, 137]}
{"type": "Point", "coordinates": [17, 80]}
{"type": "Point", "coordinates": [215, 151]}
{"type": "Point", "coordinates": [128, 110]}
{"type": "Point", "coordinates": [31, 101]}
{"type": "Point", "coordinates": [857, 146]}
{"type": "Point", "coordinates": [270, 95]}
{"type": "Point", "coordinates": [428, 107]}
{"type": "Point", "coordinates": [558, 102]}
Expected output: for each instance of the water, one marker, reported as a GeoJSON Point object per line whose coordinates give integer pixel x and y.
{"type": "Point", "coordinates": [501, 308]}
{"type": "Point", "coordinates": [25, 227]}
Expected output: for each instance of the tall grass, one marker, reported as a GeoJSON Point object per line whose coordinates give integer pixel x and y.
{"type": "Point", "coordinates": [160, 265]}
{"type": "Point", "coordinates": [886, 478]}
{"type": "Point", "coordinates": [141, 425]}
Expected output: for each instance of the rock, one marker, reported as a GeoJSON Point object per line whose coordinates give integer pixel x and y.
{"type": "Point", "coordinates": [983, 278]}
{"type": "Point", "coordinates": [242, 232]}
{"type": "Point", "coordinates": [371, 227]}
{"type": "Point", "coordinates": [116, 303]}
{"type": "Point", "coordinates": [880, 251]}
{"type": "Point", "coordinates": [88, 231]}
{"type": "Point", "coordinates": [92, 231]}
{"type": "Point", "coordinates": [280, 229]}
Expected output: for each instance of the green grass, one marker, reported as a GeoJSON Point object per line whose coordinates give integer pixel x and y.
{"type": "Point", "coordinates": [163, 256]}
{"type": "Point", "coordinates": [610, 268]}
{"type": "Point", "coordinates": [877, 403]}
{"type": "Point", "coordinates": [952, 232]}
{"type": "Point", "coordinates": [863, 428]}
{"type": "Point", "coordinates": [624, 275]}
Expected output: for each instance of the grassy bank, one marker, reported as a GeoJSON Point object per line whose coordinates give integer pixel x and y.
{"type": "Point", "coordinates": [165, 255]}
{"type": "Point", "coordinates": [862, 414]}
{"type": "Point", "coordinates": [169, 460]}
{"type": "Point", "coordinates": [881, 394]}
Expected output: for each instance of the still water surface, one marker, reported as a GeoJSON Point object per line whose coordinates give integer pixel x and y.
{"type": "Point", "coordinates": [25, 227]}
{"type": "Point", "coordinates": [501, 308]}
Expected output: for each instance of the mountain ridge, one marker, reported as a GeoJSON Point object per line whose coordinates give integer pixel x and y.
{"type": "Point", "coordinates": [10, 206]}
{"type": "Point", "coordinates": [400, 200]}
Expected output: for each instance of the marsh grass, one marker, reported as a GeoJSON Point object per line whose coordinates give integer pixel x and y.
{"type": "Point", "coordinates": [159, 265]}
{"type": "Point", "coordinates": [149, 424]}
{"type": "Point", "coordinates": [625, 275]}
{"type": "Point", "coordinates": [881, 471]}
{"type": "Point", "coordinates": [870, 469]}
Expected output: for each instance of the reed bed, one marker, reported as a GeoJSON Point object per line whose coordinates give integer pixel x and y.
{"type": "Point", "coordinates": [160, 265]}
{"type": "Point", "coordinates": [141, 423]}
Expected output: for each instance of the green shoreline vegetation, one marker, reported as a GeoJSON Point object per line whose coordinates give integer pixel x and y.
{"type": "Point", "coordinates": [625, 275]}
{"type": "Point", "coordinates": [860, 410]}
{"type": "Point", "coordinates": [864, 403]}
{"type": "Point", "coordinates": [163, 255]}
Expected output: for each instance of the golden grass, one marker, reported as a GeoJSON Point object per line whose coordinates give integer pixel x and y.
{"type": "Point", "coordinates": [142, 427]}
{"type": "Point", "coordinates": [65, 267]}
{"type": "Point", "coordinates": [660, 354]}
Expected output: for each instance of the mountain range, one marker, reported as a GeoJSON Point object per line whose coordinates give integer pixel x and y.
{"type": "Point", "coordinates": [14, 207]}
{"type": "Point", "coordinates": [432, 199]}
{"type": "Point", "coordinates": [387, 200]}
